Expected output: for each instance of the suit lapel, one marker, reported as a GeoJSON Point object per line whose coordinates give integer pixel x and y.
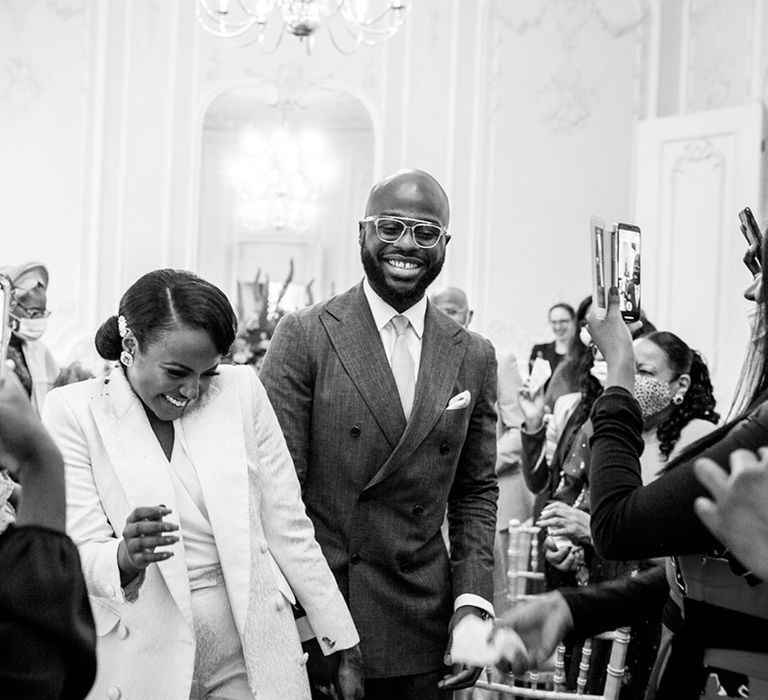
{"type": "Point", "coordinates": [442, 350]}
{"type": "Point", "coordinates": [214, 438]}
{"type": "Point", "coordinates": [353, 334]}
{"type": "Point", "coordinates": [137, 460]}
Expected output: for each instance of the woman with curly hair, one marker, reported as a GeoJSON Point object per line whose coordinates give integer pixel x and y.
{"type": "Point", "coordinates": [673, 388]}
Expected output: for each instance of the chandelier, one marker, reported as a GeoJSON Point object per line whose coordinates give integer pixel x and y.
{"type": "Point", "coordinates": [350, 23]}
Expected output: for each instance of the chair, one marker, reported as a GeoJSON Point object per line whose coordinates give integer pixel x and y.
{"type": "Point", "coordinates": [753, 665]}
{"type": "Point", "coordinates": [524, 581]}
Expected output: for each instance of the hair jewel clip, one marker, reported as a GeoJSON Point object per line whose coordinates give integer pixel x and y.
{"type": "Point", "coordinates": [122, 326]}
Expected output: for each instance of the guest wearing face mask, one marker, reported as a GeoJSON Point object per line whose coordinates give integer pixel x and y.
{"type": "Point", "coordinates": [33, 363]}
{"type": "Point", "coordinates": [674, 390]}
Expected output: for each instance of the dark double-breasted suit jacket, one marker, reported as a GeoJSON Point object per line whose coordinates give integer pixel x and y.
{"type": "Point", "coordinates": [377, 488]}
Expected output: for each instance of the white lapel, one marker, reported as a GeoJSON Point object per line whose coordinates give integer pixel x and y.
{"type": "Point", "coordinates": [137, 460]}
{"type": "Point", "coordinates": [213, 431]}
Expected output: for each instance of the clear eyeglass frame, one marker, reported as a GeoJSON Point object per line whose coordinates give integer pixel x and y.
{"type": "Point", "coordinates": [436, 230]}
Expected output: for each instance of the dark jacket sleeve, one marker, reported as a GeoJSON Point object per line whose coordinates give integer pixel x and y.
{"type": "Point", "coordinates": [534, 463]}
{"type": "Point", "coordinates": [287, 377]}
{"type": "Point", "coordinates": [619, 603]}
{"type": "Point", "coordinates": [47, 634]}
{"type": "Point", "coordinates": [632, 521]}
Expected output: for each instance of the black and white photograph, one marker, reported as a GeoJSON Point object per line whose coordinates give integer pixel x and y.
{"type": "Point", "coordinates": [383, 349]}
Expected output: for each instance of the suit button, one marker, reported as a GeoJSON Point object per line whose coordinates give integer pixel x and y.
{"type": "Point", "coordinates": [445, 448]}
{"type": "Point", "coordinates": [122, 632]}
{"type": "Point", "coordinates": [304, 657]}
{"type": "Point", "coordinates": [114, 693]}
{"type": "Point", "coordinates": [279, 604]}
{"type": "Point", "coordinates": [111, 591]}
{"type": "Point", "coordinates": [264, 547]}
{"type": "Point", "coordinates": [418, 510]}
{"type": "Point", "coordinates": [355, 431]}
{"type": "Point", "coordinates": [354, 559]}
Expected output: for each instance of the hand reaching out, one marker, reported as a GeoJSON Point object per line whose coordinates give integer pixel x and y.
{"type": "Point", "coordinates": [737, 513]}
{"type": "Point", "coordinates": [533, 406]}
{"type": "Point", "coordinates": [541, 623]}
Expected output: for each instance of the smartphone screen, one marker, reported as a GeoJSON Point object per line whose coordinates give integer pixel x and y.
{"type": "Point", "coordinates": [749, 228]}
{"type": "Point", "coordinates": [627, 272]}
{"type": "Point", "coordinates": [5, 331]}
{"type": "Point", "coordinates": [599, 286]}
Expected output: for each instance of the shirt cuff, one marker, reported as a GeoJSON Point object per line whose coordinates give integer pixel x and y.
{"type": "Point", "coordinates": [474, 600]}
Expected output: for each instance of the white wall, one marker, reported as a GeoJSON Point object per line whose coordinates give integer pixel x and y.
{"type": "Point", "coordinates": [526, 111]}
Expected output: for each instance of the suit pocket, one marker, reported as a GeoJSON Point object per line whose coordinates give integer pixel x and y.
{"type": "Point", "coordinates": [105, 617]}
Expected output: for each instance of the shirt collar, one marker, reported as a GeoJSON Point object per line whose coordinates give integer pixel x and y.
{"type": "Point", "coordinates": [383, 312]}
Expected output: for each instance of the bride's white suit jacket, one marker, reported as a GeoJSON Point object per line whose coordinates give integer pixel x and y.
{"type": "Point", "coordinates": [114, 464]}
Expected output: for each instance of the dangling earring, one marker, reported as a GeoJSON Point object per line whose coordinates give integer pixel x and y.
{"type": "Point", "coordinates": [677, 399]}
{"type": "Point", "coordinates": [126, 358]}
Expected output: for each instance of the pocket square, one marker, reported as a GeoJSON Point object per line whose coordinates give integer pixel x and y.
{"type": "Point", "coordinates": [459, 401]}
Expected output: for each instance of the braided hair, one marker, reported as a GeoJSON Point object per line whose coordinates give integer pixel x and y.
{"type": "Point", "coordinates": [698, 402]}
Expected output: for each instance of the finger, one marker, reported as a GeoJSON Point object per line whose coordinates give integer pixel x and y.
{"type": "Point", "coordinates": [460, 679]}
{"type": "Point", "coordinates": [145, 543]}
{"type": "Point", "coordinates": [148, 513]}
{"type": "Point", "coordinates": [708, 514]}
{"type": "Point", "coordinates": [613, 302]}
{"type": "Point", "coordinates": [547, 522]}
{"type": "Point", "coordinates": [712, 476]}
{"type": "Point", "coordinates": [742, 460]}
{"type": "Point", "coordinates": [149, 527]}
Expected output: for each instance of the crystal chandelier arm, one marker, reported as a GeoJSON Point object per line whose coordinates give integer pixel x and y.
{"type": "Point", "coordinates": [346, 52]}
{"type": "Point", "coordinates": [215, 23]}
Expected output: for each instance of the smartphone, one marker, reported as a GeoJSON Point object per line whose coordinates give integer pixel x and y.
{"type": "Point", "coordinates": [598, 239]}
{"type": "Point", "coordinates": [627, 270]}
{"type": "Point", "coordinates": [5, 331]}
{"type": "Point", "coordinates": [749, 228]}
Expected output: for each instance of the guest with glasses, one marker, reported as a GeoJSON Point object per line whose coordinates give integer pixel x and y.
{"type": "Point", "coordinates": [562, 321]}
{"type": "Point", "coordinates": [33, 362]}
{"type": "Point", "coordinates": [387, 405]}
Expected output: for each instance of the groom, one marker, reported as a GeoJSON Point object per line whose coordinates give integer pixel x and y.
{"type": "Point", "coordinates": [387, 406]}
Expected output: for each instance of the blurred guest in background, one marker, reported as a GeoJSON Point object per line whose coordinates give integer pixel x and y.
{"type": "Point", "coordinates": [562, 320]}
{"type": "Point", "coordinates": [33, 362]}
{"type": "Point", "coordinates": [515, 500]}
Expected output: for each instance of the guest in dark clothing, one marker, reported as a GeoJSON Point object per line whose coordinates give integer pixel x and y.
{"type": "Point", "coordinates": [630, 520]}
{"type": "Point", "coordinates": [562, 320]}
{"type": "Point", "coordinates": [47, 637]}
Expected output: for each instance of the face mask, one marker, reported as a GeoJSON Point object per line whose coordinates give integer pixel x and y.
{"type": "Point", "coordinates": [599, 370]}
{"type": "Point", "coordinates": [30, 328]}
{"type": "Point", "coordinates": [584, 336]}
{"type": "Point", "coordinates": [652, 393]}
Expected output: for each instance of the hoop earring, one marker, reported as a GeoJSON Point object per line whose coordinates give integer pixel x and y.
{"type": "Point", "coordinates": [126, 358]}
{"type": "Point", "coordinates": [677, 399]}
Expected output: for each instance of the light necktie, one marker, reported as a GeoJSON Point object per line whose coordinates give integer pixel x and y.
{"type": "Point", "coordinates": [402, 365]}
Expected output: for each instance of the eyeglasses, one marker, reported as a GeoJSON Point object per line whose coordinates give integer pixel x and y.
{"type": "Point", "coordinates": [33, 313]}
{"type": "Point", "coordinates": [390, 229]}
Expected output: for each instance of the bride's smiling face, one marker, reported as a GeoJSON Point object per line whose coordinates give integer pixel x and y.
{"type": "Point", "coordinates": [172, 371]}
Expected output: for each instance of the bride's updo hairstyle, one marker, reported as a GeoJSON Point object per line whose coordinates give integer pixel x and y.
{"type": "Point", "coordinates": [162, 300]}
